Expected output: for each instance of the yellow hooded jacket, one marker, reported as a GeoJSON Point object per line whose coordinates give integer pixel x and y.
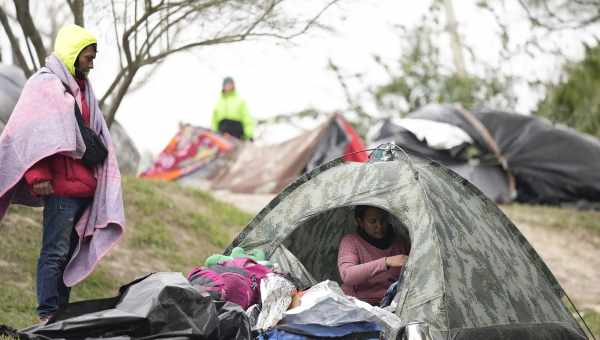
{"type": "Point", "coordinates": [70, 41]}
{"type": "Point", "coordinates": [231, 106]}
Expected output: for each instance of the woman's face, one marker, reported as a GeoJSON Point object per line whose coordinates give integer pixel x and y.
{"type": "Point", "coordinates": [373, 223]}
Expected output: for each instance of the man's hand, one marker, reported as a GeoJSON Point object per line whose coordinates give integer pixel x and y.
{"type": "Point", "coordinates": [43, 188]}
{"type": "Point", "coordinates": [396, 261]}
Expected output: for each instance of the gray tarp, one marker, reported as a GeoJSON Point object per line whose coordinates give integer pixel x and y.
{"type": "Point", "coordinates": [552, 164]}
{"type": "Point", "coordinates": [270, 168]}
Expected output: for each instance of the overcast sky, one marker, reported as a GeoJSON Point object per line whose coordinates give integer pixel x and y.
{"type": "Point", "coordinates": [273, 78]}
{"type": "Point", "coordinates": [276, 78]}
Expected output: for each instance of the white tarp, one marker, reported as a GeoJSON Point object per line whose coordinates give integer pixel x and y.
{"type": "Point", "coordinates": [326, 304]}
{"type": "Point", "coordinates": [439, 136]}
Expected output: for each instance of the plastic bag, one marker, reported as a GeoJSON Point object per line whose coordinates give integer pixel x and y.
{"type": "Point", "coordinates": [325, 304]}
{"type": "Point", "coordinates": [276, 294]}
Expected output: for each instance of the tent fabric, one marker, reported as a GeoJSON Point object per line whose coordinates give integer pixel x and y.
{"type": "Point", "coordinates": [267, 168]}
{"type": "Point", "coordinates": [485, 175]}
{"type": "Point", "coordinates": [161, 305]}
{"type": "Point", "coordinates": [189, 150]}
{"type": "Point", "coordinates": [469, 268]}
{"type": "Point", "coordinates": [437, 135]}
{"type": "Point", "coordinates": [242, 167]}
{"type": "Point", "coordinates": [270, 168]}
{"type": "Point", "coordinates": [552, 164]}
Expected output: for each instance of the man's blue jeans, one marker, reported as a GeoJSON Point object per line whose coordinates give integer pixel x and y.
{"type": "Point", "coordinates": [59, 240]}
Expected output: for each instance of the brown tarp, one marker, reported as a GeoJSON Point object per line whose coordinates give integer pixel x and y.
{"type": "Point", "coordinates": [268, 168]}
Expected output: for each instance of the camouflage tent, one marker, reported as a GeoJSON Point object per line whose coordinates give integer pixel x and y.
{"type": "Point", "coordinates": [470, 275]}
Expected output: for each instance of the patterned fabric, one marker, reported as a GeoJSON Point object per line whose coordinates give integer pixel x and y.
{"type": "Point", "coordinates": [191, 149]}
{"type": "Point", "coordinates": [469, 266]}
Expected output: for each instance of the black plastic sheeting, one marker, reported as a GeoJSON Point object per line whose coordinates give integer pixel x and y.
{"type": "Point", "coordinates": [551, 164]}
{"type": "Point", "coordinates": [331, 145]}
{"type": "Point", "coordinates": [489, 178]}
{"type": "Point", "coordinates": [159, 306]}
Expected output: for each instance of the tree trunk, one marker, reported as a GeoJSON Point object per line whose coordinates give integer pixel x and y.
{"type": "Point", "coordinates": [455, 44]}
{"type": "Point", "coordinates": [111, 111]}
{"type": "Point", "coordinates": [18, 56]}
{"type": "Point", "coordinates": [77, 7]}
{"type": "Point", "coordinates": [29, 29]}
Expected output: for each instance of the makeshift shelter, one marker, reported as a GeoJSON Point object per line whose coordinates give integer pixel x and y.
{"type": "Point", "coordinates": [511, 156]}
{"type": "Point", "coordinates": [470, 274]}
{"type": "Point", "coordinates": [198, 153]}
{"type": "Point", "coordinates": [191, 149]}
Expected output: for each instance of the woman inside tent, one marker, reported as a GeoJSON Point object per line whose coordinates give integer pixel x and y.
{"type": "Point", "coordinates": [370, 259]}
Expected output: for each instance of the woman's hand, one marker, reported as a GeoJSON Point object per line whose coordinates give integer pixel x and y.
{"type": "Point", "coordinates": [396, 261]}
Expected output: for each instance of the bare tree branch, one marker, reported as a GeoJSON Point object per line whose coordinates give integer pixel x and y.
{"type": "Point", "coordinates": [563, 24]}
{"type": "Point", "coordinates": [112, 87]}
{"type": "Point", "coordinates": [116, 28]}
{"type": "Point", "coordinates": [77, 8]}
{"type": "Point", "coordinates": [353, 105]}
{"type": "Point", "coordinates": [118, 97]}
{"type": "Point", "coordinates": [14, 43]}
{"type": "Point", "coordinates": [147, 76]}
{"type": "Point", "coordinates": [155, 30]}
{"type": "Point", "coordinates": [30, 31]}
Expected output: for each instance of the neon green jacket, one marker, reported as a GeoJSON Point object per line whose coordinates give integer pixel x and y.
{"type": "Point", "coordinates": [70, 41]}
{"type": "Point", "coordinates": [231, 106]}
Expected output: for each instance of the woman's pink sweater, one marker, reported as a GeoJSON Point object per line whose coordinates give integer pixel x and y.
{"type": "Point", "coordinates": [363, 270]}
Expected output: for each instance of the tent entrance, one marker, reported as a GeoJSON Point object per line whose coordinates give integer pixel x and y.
{"type": "Point", "coordinates": [315, 241]}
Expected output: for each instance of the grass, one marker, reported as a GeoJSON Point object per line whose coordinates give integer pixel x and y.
{"type": "Point", "coordinates": [593, 321]}
{"type": "Point", "coordinates": [169, 228]}
{"type": "Point", "coordinates": [554, 217]}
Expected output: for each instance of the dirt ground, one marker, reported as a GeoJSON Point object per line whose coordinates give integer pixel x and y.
{"type": "Point", "coordinates": [573, 257]}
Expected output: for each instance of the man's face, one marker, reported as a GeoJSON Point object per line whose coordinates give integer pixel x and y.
{"type": "Point", "coordinates": [228, 87]}
{"type": "Point", "coordinates": [86, 60]}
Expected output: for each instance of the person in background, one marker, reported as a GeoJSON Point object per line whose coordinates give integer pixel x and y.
{"type": "Point", "coordinates": [369, 261]}
{"type": "Point", "coordinates": [230, 115]}
{"type": "Point", "coordinates": [42, 145]}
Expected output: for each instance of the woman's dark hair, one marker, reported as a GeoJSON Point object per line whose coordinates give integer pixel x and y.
{"type": "Point", "coordinates": [360, 210]}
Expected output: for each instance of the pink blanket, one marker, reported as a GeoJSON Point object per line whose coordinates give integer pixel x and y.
{"type": "Point", "coordinates": [43, 124]}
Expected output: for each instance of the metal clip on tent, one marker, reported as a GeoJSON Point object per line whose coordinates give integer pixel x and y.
{"type": "Point", "coordinates": [388, 152]}
{"type": "Point", "coordinates": [416, 330]}
{"type": "Point", "coordinates": [385, 153]}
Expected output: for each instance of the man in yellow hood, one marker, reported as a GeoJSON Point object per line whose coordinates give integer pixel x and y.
{"type": "Point", "coordinates": [56, 105]}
